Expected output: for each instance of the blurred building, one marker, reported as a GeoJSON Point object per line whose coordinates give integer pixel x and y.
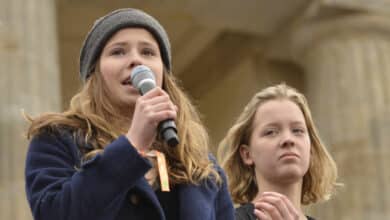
{"type": "Point", "coordinates": [336, 51]}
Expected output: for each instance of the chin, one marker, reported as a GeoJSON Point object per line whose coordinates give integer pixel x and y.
{"type": "Point", "coordinates": [291, 175]}
{"type": "Point", "coordinates": [129, 98]}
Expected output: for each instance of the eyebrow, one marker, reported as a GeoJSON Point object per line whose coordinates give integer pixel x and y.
{"type": "Point", "coordinates": [147, 43]}
{"type": "Point", "coordinates": [278, 123]}
{"type": "Point", "coordinates": [298, 123]}
{"type": "Point", "coordinates": [123, 43]}
{"type": "Point", "coordinates": [116, 44]}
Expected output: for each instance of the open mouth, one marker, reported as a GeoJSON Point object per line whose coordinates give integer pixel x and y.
{"type": "Point", "coordinates": [127, 82]}
{"type": "Point", "coordinates": [129, 86]}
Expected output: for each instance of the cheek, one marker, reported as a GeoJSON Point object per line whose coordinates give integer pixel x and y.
{"type": "Point", "coordinates": [109, 72]}
{"type": "Point", "coordinates": [108, 80]}
{"type": "Point", "coordinates": [265, 164]}
{"type": "Point", "coordinates": [158, 73]}
{"type": "Point", "coordinates": [308, 145]}
{"type": "Point", "coordinates": [106, 69]}
{"type": "Point", "coordinates": [261, 156]}
{"type": "Point", "coordinates": [159, 80]}
{"type": "Point", "coordinates": [306, 152]}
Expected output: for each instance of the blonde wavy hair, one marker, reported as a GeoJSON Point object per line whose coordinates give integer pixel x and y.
{"type": "Point", "coordinates": [319, 181]}
{"type": "Point", "coordinates": [91, 112]}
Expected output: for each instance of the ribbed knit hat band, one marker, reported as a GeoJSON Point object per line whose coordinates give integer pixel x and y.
{"type": "Point", "coordinates": [108, 25]}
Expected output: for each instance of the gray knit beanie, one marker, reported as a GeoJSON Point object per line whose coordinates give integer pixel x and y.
{"type": "Point", "coordinates": [106, 26]}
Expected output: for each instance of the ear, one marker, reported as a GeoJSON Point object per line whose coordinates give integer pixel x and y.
{"type": "Point", "coordinates": [245, 154]}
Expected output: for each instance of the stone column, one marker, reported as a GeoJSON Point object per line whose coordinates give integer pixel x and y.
{"type": "Point", "coordinates": [29, 80]}
{"type": "Point", "coordinates": [347, 67]}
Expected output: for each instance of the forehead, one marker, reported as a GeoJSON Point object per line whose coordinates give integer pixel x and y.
{"type": "Point", "coordinates": [133, 33]}
{"type": "Point", "coordinates": [278, 111]}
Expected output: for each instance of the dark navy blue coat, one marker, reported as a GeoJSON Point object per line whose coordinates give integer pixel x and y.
{"type": "Point", "coordinates": [111, 186]}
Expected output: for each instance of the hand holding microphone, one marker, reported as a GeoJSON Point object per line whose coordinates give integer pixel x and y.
{"type": "Point", "coordinates": [142, 78]}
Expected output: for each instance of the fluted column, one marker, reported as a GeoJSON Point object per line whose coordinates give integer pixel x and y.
{"type": "Point", "coordinates": [29, 80]}
{"type": "Point", "coordinates": [347, 66]}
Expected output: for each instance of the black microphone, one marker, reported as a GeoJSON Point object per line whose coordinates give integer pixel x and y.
{"type": "Point", "coordinates": [142, 78]}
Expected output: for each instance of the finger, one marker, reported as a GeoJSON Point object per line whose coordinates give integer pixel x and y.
{"type": "Point", "coordinates": [260, 214]}
{"type": "Point", "coordinates": [155, 117]}
{"type": "Point", "coordinates": [158, 110]}
{"type": "Point", "coordinates": [269, 209]}
{"type": "Point", "coordinates": [156, 91]}
{"type": "Point", "coordinates": [285, 205]}
{"type": "Point", "coordinates": [291, 208]}
{"type": "Point", "coordinates": [278, 202]}
{"type": "Point", "coordinates": [165, 106]}
{"type": "Point", "coordinates": [154, 104]}
{"type": "Point", "coordinates": [164, 115]}
{"type": "Point", "coordinates": [155, 98]}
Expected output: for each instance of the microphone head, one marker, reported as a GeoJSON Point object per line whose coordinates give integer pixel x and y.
{"type": "Point", "coordinates": [142, 78]}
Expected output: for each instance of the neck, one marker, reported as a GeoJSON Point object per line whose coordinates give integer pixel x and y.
{"type": "Point", "coordinates": [120, 123]}
{"type": "Point", "coordinates": [123, 118]}
{"type": "Point", "coordinates": [126, 110]}
{"type": "Point", "coordinates": [123, 125]}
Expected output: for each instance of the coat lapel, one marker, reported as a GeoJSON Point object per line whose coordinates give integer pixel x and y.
{"type": "Point", "coordinates": [147, 192]}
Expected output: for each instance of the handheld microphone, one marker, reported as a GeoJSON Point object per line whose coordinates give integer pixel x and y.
{"type": "Point", "coordinates": [142, 78]}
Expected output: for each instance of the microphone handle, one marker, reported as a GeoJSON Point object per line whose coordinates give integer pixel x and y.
{"type": "Point", "coordinates": [168, 132]}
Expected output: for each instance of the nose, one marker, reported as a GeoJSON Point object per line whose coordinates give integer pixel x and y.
{"type": "Point", "coordinates": [287, 140]}
{"type": "Point", "coordinates": [134, 60]}
{"type": "Point", "coordinates": [134, 64]}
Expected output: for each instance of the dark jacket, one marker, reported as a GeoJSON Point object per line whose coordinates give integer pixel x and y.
{"type": "Point", "coordinates": [245, 212]}
{"type": "Point", "coordinates": [111, 186]}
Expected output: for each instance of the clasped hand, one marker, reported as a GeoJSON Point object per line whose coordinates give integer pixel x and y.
{"type": "Point", "coordinates": [274, 206]}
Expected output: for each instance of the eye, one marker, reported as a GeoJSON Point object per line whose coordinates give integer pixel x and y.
{"type": "Point", "coordinates": [117, 52]}
{"type": "Point", "coordinates": [270, 132]}
{"type": "Point", "coordinates": [148, 52]}
{"type": "Point", "coordinates": [299, 131]}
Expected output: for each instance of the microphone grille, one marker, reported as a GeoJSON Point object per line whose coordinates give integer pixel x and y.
{"type": "Point", "coordinates": [141, 73]}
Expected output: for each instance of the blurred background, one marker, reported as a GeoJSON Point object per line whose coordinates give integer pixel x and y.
{"type": "Point", "coordinates": [337, 52]}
